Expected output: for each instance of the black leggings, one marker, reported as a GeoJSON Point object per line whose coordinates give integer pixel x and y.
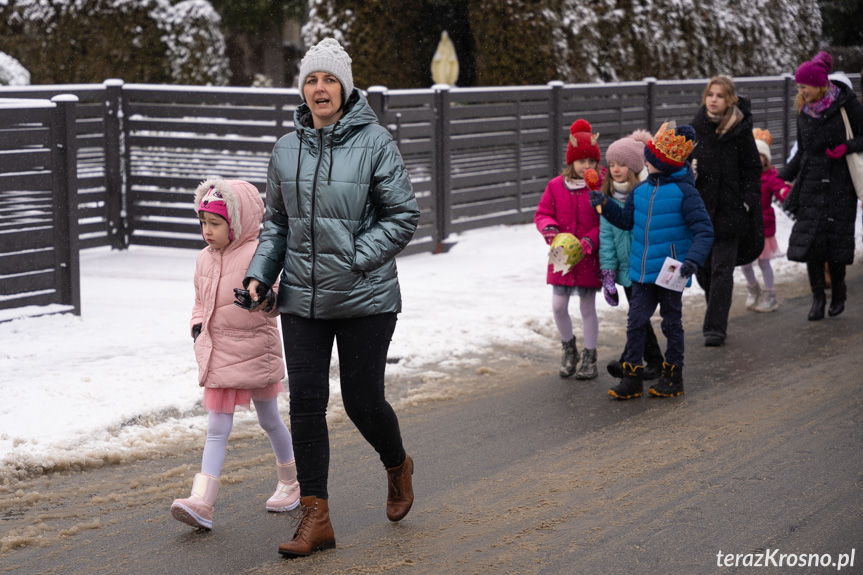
{"type": "Point", "coordinates": [362, 345]}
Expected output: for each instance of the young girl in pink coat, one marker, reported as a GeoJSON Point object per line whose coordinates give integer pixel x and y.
{"type": "Point", "coordinates": [771, 186]}
{"type": "Point", "coordinates": [239, 350]}
{"type": "Point", "coordinates": [565, 208]}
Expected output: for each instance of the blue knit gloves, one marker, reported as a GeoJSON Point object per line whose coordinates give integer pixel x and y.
{"type": "Point", "coordinates": [597, 198]}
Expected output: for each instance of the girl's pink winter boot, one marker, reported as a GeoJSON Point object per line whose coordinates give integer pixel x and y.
{"type": "Point", "coordinates": [287, 495]}
{"type": "Point", "coordinates": [198, 509]}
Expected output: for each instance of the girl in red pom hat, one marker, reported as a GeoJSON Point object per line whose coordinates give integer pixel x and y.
{"type": "Point", "coordinates": [565, 208]}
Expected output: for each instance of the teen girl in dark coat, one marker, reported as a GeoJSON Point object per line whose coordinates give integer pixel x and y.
{"type": "Point", "coordinates": [728, 176]}
{"type": "Point", "coordinates": [823, 197]}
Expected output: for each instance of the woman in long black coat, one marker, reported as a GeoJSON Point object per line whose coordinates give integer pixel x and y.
{"type": "Point", "coordinates": [823, 197]}
{"type": "Point", "coordinates": [728, 176]}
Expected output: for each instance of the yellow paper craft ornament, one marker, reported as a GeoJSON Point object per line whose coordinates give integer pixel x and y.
{"type": "Point", "coordinates": [565, 253]}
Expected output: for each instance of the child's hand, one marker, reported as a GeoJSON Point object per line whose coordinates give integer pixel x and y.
{"type": "Point", "coordinates": [597, 198]}
{"type": "Point", "coordinates": [250, 300]}
{"type": "Point", "coordinates": [609, 290]}
{"type": "Point", "coordinates": [548, 233]}
{"type": "Point", "coordinates": [196, 331]}
{"type": "Point", "coordinates": [688, 268]}
{"type": "Point", "coordinates": [586, 245]}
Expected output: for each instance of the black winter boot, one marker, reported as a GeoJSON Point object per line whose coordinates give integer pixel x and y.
{"type": "Point", "coordinates": [569, 359]}
{"type": "Point", "coordinates": [652, 371]}
{"type": "Point", "coordinates": [818, 303]}
{"type": "Point", "coordinates": [670, 382]}
{"type": "Point", "coordinates": [837, 298]}
{"type": "Point", "coordinates": [630, 385]}
{"type": "Point", "coordinates": [615, 368]}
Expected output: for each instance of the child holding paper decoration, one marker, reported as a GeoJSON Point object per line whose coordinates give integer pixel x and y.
{"type": "Point", "coordinates": [565, 209]}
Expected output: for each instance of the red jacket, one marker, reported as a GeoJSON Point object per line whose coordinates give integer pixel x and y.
{"type": "Point", "coordinates": [771, 185]}
{"type": "Point", "coordinates": [571, 212]}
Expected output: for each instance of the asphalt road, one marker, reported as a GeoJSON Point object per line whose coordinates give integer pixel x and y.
{"type": "Point", "coordinates": [519, 471]}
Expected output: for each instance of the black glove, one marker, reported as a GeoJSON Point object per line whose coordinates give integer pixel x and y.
{"type": "Point", "coordinates": [265, 296]}
{"type": "Point", "coordinates": [196, 331]}
{"type": "Point", "coordinates": [688, 268]}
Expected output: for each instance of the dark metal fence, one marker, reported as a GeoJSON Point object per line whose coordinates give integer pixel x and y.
{"type": "Point", "coordinates": [39, 229]}
{"type": "Point", "coordinates": [476, 156]}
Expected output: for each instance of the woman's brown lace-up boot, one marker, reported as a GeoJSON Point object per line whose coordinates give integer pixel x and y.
{"type": "Point", "coordinates": [315, 531]}
{"type": "Point", "coordinates": [400, 495]}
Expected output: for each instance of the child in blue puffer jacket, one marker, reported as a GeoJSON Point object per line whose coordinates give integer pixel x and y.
{"type": "Point", "coordinates": [668, 219]}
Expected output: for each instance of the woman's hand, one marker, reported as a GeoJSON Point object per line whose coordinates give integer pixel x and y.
{"type": "Point", "coordinates": [836, 152]}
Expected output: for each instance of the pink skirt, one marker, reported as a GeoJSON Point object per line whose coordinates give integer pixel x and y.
{"type": "Point", "coordinates": [771, 249]}
{"type": "Point", "coordinates": [227, 399]}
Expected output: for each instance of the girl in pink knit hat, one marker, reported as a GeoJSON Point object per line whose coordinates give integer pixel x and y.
{"type": "Point", "coordinates": [565, 208]}
{"type": "Point", "coordinates": [625, 158]}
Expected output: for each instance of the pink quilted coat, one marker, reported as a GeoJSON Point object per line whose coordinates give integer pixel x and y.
{"type": "Point", "coordinates": [236, 348]}
{"type": "Point", "coordinates": [571, 212]}
{"type": "Point", "coordinates": [771, 185]}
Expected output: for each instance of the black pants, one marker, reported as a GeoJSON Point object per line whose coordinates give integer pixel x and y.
{"type": "Point", "coordinates": [716, 278]}
{"type": "Point", "coordinates": [652, 351]}
{"type": "Point", "coordinates": [362, 345]}
{"type": "Point", "coordinates": [645, 298]}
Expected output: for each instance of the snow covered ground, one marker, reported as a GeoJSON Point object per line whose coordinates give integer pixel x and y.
{"type": "Point", "coordinates": [119, 382]}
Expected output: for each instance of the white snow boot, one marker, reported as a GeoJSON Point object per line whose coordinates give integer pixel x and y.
{"type": "Point", "coordinates": [752, 293]}
{"type": "Point", "coordinates": [198, 509]}
{"type": "Point", "coordinates": [287, 495]}
{"type": "Point", "coordinates": [768, 301]}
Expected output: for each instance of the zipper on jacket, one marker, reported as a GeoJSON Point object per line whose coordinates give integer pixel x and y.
{"type": "Point", "coordinates": [646, 228]}
{"type": "Point", "coordinates": [673, 252]}
{"type": "Point", "coordinates": [312, 221]}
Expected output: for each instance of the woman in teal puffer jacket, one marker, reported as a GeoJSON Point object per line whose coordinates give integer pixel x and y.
{"type": "Point", "coordinates": [339, 207]}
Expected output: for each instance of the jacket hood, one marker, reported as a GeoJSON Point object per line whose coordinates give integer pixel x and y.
{"type": "Point", "coordinates": [245, 207]}
{"type": "Point", "coordinates": [845, 94]}
{"type": "Point", "coordinates": [357, 114]}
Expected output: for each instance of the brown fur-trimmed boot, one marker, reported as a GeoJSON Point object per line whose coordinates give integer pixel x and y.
{"type": "Point", "coordinates": [400, 493]}
{"type": "Point", "coordinates": [314, 533]}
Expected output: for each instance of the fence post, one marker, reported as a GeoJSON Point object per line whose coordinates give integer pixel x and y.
{"type": "Point", "coordinates": [377, 96]}
{"type": "Point", "coordinates": [65, 182]}
{"type": "Point", "coordinates": [128, 206]}
{"type": "Point", "coordinates": [555, 148]}
{"type": "Point", "coordinates": [441, 166]}
{"type": "Point", "coordinates": [788, 82]}
{"type": "Point", "coordinates": [114, 189]}
{"type": "Point", "coordinates": [650, 102]}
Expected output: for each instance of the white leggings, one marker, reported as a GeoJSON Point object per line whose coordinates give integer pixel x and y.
{"type": "Point", "coordinates": [589, 319]}
{"type": "Point", "coordinates": [766, 272]}
{"type": "Point", "coordinates": [219, 428]}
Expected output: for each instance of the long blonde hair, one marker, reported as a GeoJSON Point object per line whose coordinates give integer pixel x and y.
{"type": "Point", "coordinates": [820, 91]}
{"type": "Point", "coordinates": [728, 89]}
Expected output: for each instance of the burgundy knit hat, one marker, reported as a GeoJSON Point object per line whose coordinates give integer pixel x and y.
{"type": "Point", "coordinates": [815, 71]}
{"type": "Point", "coordinates": [582, 144]}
